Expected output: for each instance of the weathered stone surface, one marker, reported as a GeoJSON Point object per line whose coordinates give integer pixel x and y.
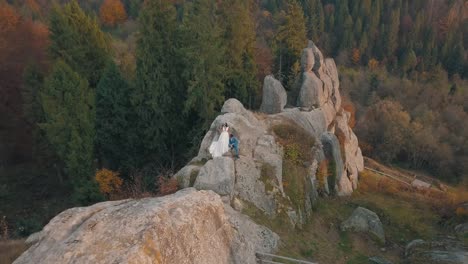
{"type": "Point", "coordinates": [311, 94]}
{"type": "Point", "coordinates": [329, 112]}
{"type": "Point", "coordinates": [274, 96]}
{"type": "Point", "coordinates": [187, 227]}
{"type": "Point", "coordinates": [312, 122]}
{"type": "Point", "coordinates": [442, 251]}
{"type": "Point", "coordinates": [270, 154]}
{"type": "Point", "coordinates": [461, 229]}
{"type": "Point", "coordinates": [246, 131]}
{"type": "Point", "coordinates": [217, 175]}
{"type": "Point", "coordinates": [364, 220]}
{"type": "Point", "coordinates": [353, 160]}
{"type": "Point", "coordinates": [261, 238]}
{"type": "Point", "coordinates": [332, 151]}
{"type": "Point", "coordinates": [379, 260]}
{"type": "Point", "coordinates": [250, 187]}
{"type": "Point", "coordinates": [187, 175]}
{"type": "Point", "coordinates": [318, 56]}
{"type": "Point", "coordinates": [234, 106]}
{"type": "Point", "coordinates": [335, 96]}
{"type": "Point", "coordinates": [307, 60]}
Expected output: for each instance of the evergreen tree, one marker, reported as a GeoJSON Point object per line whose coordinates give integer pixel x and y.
{"type": "Point", "coordinates": [391, 38]}
{"type": "Point", "coordinates": [159, 94]}
{"type": "Point", "coordinates": [206, 68]}
{"type": "Point", "coordinates": [315, 18]}
{"type": "Point", "coordinates": [408, 60]}
{"type": "Point", "coordinates": [291, 41]}
{"type": "Point", "coordinates": [77, 40]}
{"type": "Point", "coordinates": [68, 105]}
{"type": "Point", "coordinates": [240, 38]}
{"type": "Point", "coordinates": [112, 114]}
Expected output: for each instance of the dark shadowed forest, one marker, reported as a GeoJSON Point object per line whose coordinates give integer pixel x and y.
{"type": "Point", "coordinates": [100, 95]}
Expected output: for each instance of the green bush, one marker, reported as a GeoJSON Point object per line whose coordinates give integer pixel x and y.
{"type": "Point", "coordinates": [27, 226]}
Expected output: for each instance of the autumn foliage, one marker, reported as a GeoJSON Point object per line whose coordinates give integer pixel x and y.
{"type": "Point", "coordinates": [112, 12]}
{"type": "Point", "coordinates": [109, 181]}
{"type": "Point", "coordinates": [22, 41]}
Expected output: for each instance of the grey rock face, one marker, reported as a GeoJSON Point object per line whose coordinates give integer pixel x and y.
{"type": "Point", "coordinates": [379, 260]}
{"type": "Point", "coordinates": [187, 227]}
{"type": "Point", "coordinates": [187, 175]}
{"type": "Point", "coordinates": [250, 187]}
{"type": "Point", "coordinates": [261, 238]}
{"type": "Point", "coordinates": [364, 220]}
{"type": "Point", "coordinates": [461, 229]}
{"type": "Point", "coordinates": [270, 154]}
{"type": "Point", "coordinates": [311, 93]}
{"type": "Point", "coordinates": [217, 175]}
{"type": "Point", "coordinates": [234, 106]}
{"type": "Point", "coordinates": [331, 147]}
{"type": "Point", "coordinates": [307, 60]}
{"type": "Point", "coordinates": [274, 96]}
{"type": "Point", "coordinates": [444, 250]}
{"type": "Point", "coordinates": [247, 130]}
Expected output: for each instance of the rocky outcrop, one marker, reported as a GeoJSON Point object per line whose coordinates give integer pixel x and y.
{"type": "Point", "coordinates": [443, 250]}
{"type": "Point", "coordinates": [274, 96]}
{"type": "Point", "coordinates": [461, 229]}
{"type": "Point", "coordinates": [187, 227]}
{"type": "Point", "coordinates": [217, 175]}
{"type": "Point", "coordinates": [257, 178]}
{"type": "Point", "coordinates": [364, 220]}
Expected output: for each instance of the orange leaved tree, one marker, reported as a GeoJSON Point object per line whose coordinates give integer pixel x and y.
{"type": "Point", "coordinates": [112, 12]}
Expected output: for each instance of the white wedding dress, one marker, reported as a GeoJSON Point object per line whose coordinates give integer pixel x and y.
{"type": "Point", "coordinates": [221, 146]}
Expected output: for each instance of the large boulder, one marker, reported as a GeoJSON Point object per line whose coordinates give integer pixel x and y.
{"type": "Point", "coordinates": [260, 238]}
{"type": "Point", "coordinates": [246, 129]}
{"type": "Point", "coordinates": [364, 220]}
{"type": "Point", "coordinates": [187, 227]}
{"type": "Point", "coordinates": [311, 94]}
{"type": "Point", "coordinates": [332, 151]}
{"type": "Point", "coordinates": [444, 250]}
{"type": "Point", "coordinates": [187, 175]}
{"type": "Point", "coordinates": [217, 175]}
{"type": "Point", "coordinates": [307, 60]}
{"type": "Point", "coordinates": [274, 96]}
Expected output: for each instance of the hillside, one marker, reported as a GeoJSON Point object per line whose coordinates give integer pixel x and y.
{"type": "Point", "coordinates": [297, 181]}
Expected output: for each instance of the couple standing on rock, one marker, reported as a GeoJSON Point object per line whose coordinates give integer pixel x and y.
{"type": "Point", "coordinates": [224, 143]}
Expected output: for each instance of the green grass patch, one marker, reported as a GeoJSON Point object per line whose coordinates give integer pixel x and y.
{"type": "Point", "coordinates": [358, 259]}
{"type": "Point", "coordinates": [296, 141]}
{"type": "Point", "coordinates": [294, 183]}
{"type": "Point", "coordinates": [345, 243]}
{"type": "Point", "coordinates": [193, 177]}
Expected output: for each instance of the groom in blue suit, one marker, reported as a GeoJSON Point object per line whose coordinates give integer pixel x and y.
{"type": "Point", "coordinates": [234, 144]}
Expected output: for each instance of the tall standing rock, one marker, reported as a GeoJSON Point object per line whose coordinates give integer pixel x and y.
{"type": "Point", "coordinates": [274, 96]}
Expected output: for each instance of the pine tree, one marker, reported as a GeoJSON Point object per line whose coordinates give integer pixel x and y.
{"type": "Point", "coordinates": [206, 68]}
{"type": "Point", "coordinates": [391, 38]}
{"type": "Point", "coordinates": [315, 18]}
{"type": "Point", "coordinates": [240, 38]}
{"type": "Point", "coordinates": [291, 41]}
{"type": "Point", "coordinates": [112, 114]}
{"type": "Point", "coordinates": [159, 93]}
{"type": "Point", "coordinates": [77, 40]}
{"type": "Point", "coordinates": [68, 105]}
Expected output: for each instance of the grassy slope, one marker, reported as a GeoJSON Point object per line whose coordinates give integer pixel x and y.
{"type": "Point", "coordinates": [405, 213]}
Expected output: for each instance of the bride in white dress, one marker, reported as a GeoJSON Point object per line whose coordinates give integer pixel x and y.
{"type": "Point", "coordinates": [221, 146]}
